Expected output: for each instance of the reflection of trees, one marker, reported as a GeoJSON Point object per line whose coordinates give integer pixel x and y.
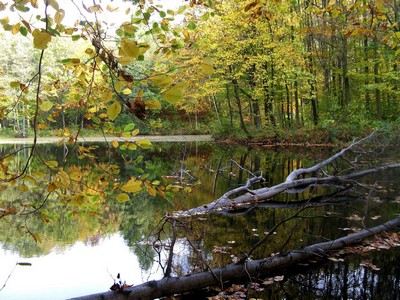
{"type": "Point", "coordinates": [140, 216]}
{"type": "Point", "coordinates": [346, 280]}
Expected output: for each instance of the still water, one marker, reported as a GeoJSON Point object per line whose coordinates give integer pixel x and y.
{"type": "Point", "coordinates": [74, 250]}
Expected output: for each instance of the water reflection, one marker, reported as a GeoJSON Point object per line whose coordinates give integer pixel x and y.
{"type": "Point", "coordinates": [196, 173]}
{"type": "Point", "coordinates": [71, 270]}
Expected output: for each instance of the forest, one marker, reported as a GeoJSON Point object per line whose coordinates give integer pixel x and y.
{"type": "Point", "coordinates": [313, 69]}
{"type": "Point", "coordinates": [270, 73]}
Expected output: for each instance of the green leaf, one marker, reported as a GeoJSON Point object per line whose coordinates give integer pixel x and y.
{"type": "Point", "coordinates": [129, 127]}
{"type": "Point", "coordinates": [71, 61]}
{"type": "Point", "coordinates": [23, 31]}
{"type": "Point", "coordinates": [191, 26]}
{"type": "Point", "coordinates": [122, 197]}
{"type": "Point", "coordinates": [114, 110]}
{"type": "Point", "coordinates": [145, 144]}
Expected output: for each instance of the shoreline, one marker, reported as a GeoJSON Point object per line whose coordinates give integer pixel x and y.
{"type": "Point", "coordinates": [151, 138]}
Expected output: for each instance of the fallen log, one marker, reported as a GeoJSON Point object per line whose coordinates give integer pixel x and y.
{"type": "Point", "coordinates": [263, 194]}
{"type": "Point", "coordinates": [267, 266]}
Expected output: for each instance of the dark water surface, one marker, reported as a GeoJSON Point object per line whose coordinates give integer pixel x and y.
{"type": "Point", "coordinates": [80, 252]}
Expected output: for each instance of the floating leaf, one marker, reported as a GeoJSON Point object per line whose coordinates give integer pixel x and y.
{"type": "Point", "coordinates": [114, 110]}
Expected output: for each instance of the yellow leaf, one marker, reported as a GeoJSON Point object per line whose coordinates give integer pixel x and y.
{"type": "Point", "coordinates": [35, 3]}
{"type": "Point", "coordinates": [51, 164]}
{"type": "Point", "coordinates": [132, 186]}
{"type": "Point", "coordinates": [118, 87]}
{"type": "Point", "coordinates": [106, 96]}
{"type": "Point", "coordinates": [114, 110]}
{"type": "Point", "coordinates": [126, 91]}
{"type": "Point", "coordinates": [23, 187]}
{"type": "Point", "coordinates": [162, 80]}
{"type": "Point", "coordinates": [111, 8]}
{"type": "Point", "coordinates": [135, 132]}
{"type": "Point", "coordinates": [123, 197]}
{"type": "Point", "coordinates": [41, 39]}
{"type": "Point", "coordinates": [53, 4]}
{"type": "Point", "coordinates": [130, 48]}
{"type": "Point", "coordinates": [59, 16]}
{"type": "Point", "coordinates": [207, 66]}
{"type": "Point", "coordinates": [77, 200]}
{"type": "Point", "coordinates": [46, 106]}
{"type": "Point", "coordinates": [128, 27]}
{"type": "Point", "coordinates": [132, 146]}
{"type": "Point", "coordinates": [95, 9]}
{"type": "Point", "coordinates": [62, 179]}
{"type": "Point", "coordinates": [16, 28]}
{"type": "Point", "coordinates": [115, 144]}
{"type": "Point", "coordinates": [36, 237]}
{"type": "Point", "coordinates": [152, 104]}
{"type": "Point", "coordinates": [125, 60]}
{"type": "Point", "coordinates": [173, 95]}
{"type": "Point", "coordinates": [144, 143]}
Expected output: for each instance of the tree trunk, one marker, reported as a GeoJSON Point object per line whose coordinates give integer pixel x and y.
{"type": "Point", "coordinates": [239, 104]}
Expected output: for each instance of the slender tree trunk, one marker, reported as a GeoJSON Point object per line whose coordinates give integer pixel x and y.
{"type": "Point", "coordinates": [239, 104]}
{"type": "Point", "coordinates": [345, 70]}
{"type": "Point", "coordinates": [366, 72]}
{"type": "Point", "coordinates": [228, 98]}
{"type": "Point", "coordinates": [377, 81]}
{"type": "Point", "coordinates": [268, 98]}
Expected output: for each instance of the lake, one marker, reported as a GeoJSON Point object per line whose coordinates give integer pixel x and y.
{"type": "Point", "coordinates": [74, 249]}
